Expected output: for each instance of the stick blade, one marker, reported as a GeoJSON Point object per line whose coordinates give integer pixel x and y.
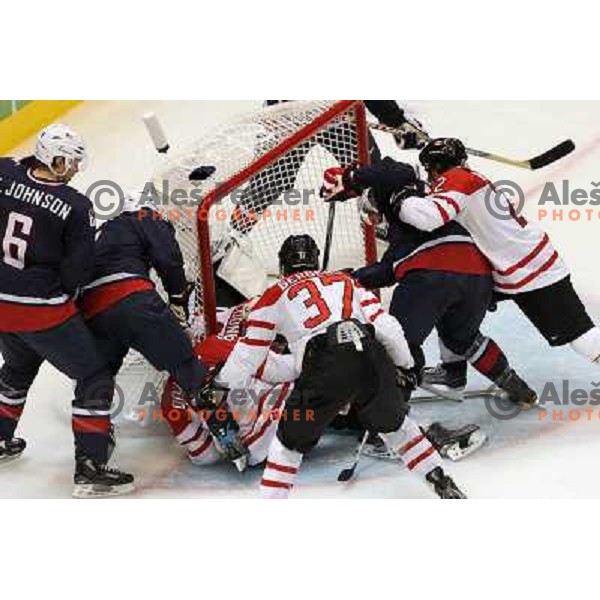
{"type": "Point", "coordinates": [346, 475]}
{"type": "Point", "coordinates": [552, 155]}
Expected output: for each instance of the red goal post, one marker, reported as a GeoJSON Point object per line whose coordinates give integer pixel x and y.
{"type": "Point", "coordinates": [261, 155]}
{"type": "Point", "coordinates": [348, 119]}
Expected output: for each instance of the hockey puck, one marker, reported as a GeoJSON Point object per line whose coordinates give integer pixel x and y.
{"type": "Point", "coordinates": [202, 173]}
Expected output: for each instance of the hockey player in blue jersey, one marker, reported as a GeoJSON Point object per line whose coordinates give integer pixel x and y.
{"type": "Point", "coordinates": [442, 280]}
{"type": "Point", "coordinates": [47, 230]}
{"type": "Point", "coordinates": [443, 269]}
{"type": "Point", "coordinates": [125, 311]}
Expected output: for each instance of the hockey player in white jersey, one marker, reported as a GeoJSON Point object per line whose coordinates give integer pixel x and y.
{"type": "Point", "coordinates": [526, 266]}
{"type": "Point", "coordinates": [256, 413]}
{"type": "Point", "coordinates": [349, 351]}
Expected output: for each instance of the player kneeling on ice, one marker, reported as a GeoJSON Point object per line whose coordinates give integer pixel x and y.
{"type": "Point", "coordinates": [47, 255]}
{"type": "Point", "coordinates": [123, 309]}
{"type": "Point", "coordinates": [256, 412]}
{"type": "Point", "coordinates": [348, 350]}
{"type": "Point", "coordinates": [526, 266]}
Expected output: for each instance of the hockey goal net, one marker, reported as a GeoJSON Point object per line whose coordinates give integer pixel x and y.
{"type": "Point", "coordinates": [268, 170]}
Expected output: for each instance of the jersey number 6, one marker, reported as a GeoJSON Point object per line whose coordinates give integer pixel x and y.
{"type": "Point", "coordinates": [14, 247]}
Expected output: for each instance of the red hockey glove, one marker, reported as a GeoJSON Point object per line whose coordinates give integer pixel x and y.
{"type": "Point", "coordinates": [338, 184]}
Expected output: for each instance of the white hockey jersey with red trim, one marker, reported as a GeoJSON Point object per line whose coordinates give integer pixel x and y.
{"type": "Point", "coordinates": [520, 252]}
{"type": "Point", "coordinates": [256, 413]}
{"type": "Point", "coordinates": [302, 306]}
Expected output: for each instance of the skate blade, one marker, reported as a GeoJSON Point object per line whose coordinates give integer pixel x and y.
{"type": "Point", "coordinates": [241, 463]}
{"type": "Point", "coordinates": [90, 490]}
{"type": "Point", "coordinates": [454, 452]}
{"type": "Point", "coordinates": [527, 406]}
{"type": "Point", "coordinates": [380, 454]}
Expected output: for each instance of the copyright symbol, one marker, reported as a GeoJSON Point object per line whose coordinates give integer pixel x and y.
{"type": "Point", "coordinates": [499, 406]}
{"type": "Point", "coordinates": [107, 198]}
{"type": "Point", "coordinates": [118, 403]}
{"type": "Point", "coordinates": [117, 399]}
{"type": "Point", "coordinates": [504, 199]}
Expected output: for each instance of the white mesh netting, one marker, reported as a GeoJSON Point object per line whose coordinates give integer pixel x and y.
{"type": "Point", "coordinates": [276, 195]}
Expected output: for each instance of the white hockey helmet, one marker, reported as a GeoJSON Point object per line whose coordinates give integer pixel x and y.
{"type": "Point", "coordinates": [59, 140]}
{"type": "Point", "coordinates": [136, 199]}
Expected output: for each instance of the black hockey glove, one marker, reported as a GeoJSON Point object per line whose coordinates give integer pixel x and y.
{"type": "Point", "coordinates": [376, 275]}
{"type": "Point", "coordinates": [179, 304]}
{"type": "Point", "coordinates": [397, 198]}
{"type": "Point", "coordinates": [212, 395]}
{"type": "Point", "coordinates": [411, 136]}
{"type": "Point", "coordinates": [221, 424]}
{"type": "Point", "coordinates": [408, 379]}
{"type": "Point", "coordinates": [411, 379]}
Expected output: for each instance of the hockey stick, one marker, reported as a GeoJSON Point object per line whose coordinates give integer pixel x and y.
{"type": "Point", "coordinates": [347, 474]}
{"type": "Point", "coordinates": [445, 394]}
{"type": "Point", "coordinates": [161, 145]}
{"type": "Point", "coordinates": [328, 235]}
{"type": "Point", "coordinates": [156, 132]}
{"type": "Point", "coordinates": [437, 395]}
{"type": "Point", "coordinates": [537, 162]}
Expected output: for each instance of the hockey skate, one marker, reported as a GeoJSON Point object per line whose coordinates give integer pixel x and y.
{"type": "Point", "coordinates": [225, 434]}
{"type": "Point", "coordinates": [451, 376]}
{"type": "Point", "coordinates": [443, 485]}
{"type": "Point", "coordinates": [221, 425]}
{"type": "Point", "coordinates": [455, 444]}
{"type": "Point", "coordinates": [11, 449]}
{"type": "Point", "coordinates": [95, 480]}
{"type": "Point", "coordinates": [375, 447]}
{"type": "Point", "coordinates": [517, 391]}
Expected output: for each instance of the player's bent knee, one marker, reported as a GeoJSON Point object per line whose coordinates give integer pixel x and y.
{"type": "Point", "coordinates": [385, 413]}
{"type": "Point", "coordinates": [301, 442]}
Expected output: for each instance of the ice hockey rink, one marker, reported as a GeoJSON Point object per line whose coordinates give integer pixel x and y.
{"type": "Point", "coordinates": [531, 456]}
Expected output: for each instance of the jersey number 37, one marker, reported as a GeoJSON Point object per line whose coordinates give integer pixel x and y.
{"type": "Point", "coordinates": [315, 301]}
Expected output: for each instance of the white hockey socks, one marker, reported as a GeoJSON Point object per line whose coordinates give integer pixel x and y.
{"type": "Point", "coordinates": [280, 471]}
{"type": "Point", "coordinates": [447, 356]}
{"type": "Point", "coordinates": [588, 345]}
{"type": "Point", "coordinates": [415, 450]}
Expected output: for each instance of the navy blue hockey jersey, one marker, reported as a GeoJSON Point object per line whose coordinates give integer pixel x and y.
{"type": "Point", "coordinates": [127, 248]}
{"type": "Point", "coordinates": [449, 248]}
{"type": "Point", "coordinates": [47, 231]}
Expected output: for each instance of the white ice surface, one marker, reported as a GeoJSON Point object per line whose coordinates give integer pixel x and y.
{"type": "Point", "coordinates": [526, 457]}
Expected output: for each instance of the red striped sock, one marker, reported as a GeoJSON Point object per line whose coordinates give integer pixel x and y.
{"type": "Point", "coordinates": [415, 450]}
{"type": "Point", "coordinates": [280, 471]}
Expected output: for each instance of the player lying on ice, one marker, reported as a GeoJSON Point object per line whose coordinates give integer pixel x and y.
{"type": "Point", "coordinates": [47, 256]}
{"type": "Point", "coordinates": [256, 411]}
{"type": "Point", "coordinates": [441, 278]}
{"type": "Point", "coordinates": [526, 266]}
{"type": "Point", "coordinates": [348, 350]}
